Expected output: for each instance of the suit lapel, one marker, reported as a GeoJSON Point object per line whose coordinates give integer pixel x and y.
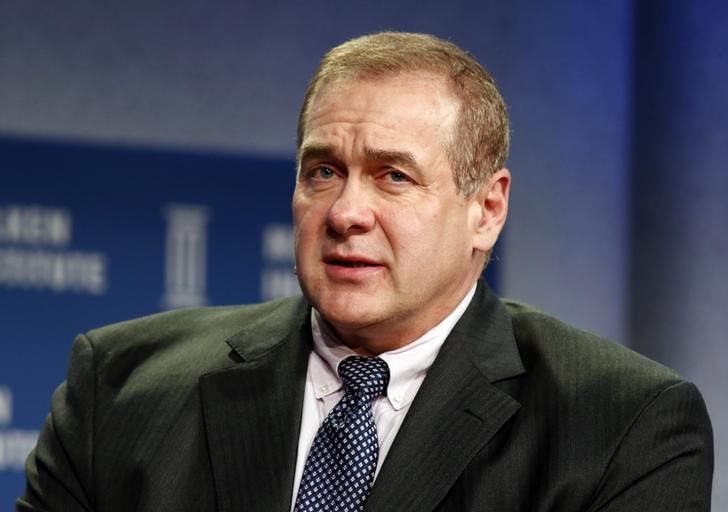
{"type": "Point", "coordinates": [456, 412]}
{"type": "Point", "coordinates": [252, 413]}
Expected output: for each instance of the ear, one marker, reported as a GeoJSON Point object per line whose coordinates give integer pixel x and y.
{"type": "Point", "coordinates": [490, 209]}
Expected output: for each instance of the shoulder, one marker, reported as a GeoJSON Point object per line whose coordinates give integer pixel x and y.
{"type": "Point", "coordinates": [186, 342]}
{"type": "Point", "coordinates": [596, 387]}
{"type": "Point", "coordinates": [217, 321]}
{"type": "Point", "coordinates": [617, 411]}
{"type": "Point", "coordinates": [547, 344]}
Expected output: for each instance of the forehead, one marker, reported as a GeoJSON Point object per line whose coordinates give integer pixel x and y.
{"type": "Point", "coordinates": [415, 99]}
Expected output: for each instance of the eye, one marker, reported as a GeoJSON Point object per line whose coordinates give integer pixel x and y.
{"type": "Point", "coordinates": [325, 173]}
{"type": "Point", "coordinates": [321, 176]}
{"type": "Point", "coordinates": [319, 173]}
{"type": "Point", "coordinates": [397, 176]}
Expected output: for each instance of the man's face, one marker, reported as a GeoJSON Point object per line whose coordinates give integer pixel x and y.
{"type": "Point", "coordinates": [384, 243]}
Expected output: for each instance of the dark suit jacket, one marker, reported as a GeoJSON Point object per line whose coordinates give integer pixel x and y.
{"type": "Point", "coordinates": [199, 410]}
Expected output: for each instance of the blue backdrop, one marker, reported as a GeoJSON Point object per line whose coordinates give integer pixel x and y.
{"type": "Point", "coordinates": [93, 235]}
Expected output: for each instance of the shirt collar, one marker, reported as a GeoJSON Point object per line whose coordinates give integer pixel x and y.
{"type": "Point", "coordinates": [408, 365]}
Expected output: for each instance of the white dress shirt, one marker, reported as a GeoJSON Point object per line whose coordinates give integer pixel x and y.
{"type": "Point", "coordinates": [407, 369]}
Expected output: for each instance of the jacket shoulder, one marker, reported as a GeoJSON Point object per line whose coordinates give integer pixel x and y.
{"type": "Point", "coordinates": [190, 342]}
{"type": "Point", "coordinates": [571, 356]}
{"type": "Point", "coordinates": [219, 318]}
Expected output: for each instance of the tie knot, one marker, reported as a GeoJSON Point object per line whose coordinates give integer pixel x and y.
{"type": "Point", "coordinates": [365, 375]}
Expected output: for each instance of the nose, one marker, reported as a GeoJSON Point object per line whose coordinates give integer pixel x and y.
{"type": "Point", "coordinates": [351, 212]}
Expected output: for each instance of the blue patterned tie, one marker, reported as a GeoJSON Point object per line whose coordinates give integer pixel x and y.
{"type": "Point", "coordinates": [340, 468]}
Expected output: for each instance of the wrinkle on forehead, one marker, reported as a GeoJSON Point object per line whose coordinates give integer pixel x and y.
{"type": "Point", "coordinates": [403, 158]}
{"type": "Point", "coordinates": [444, 103]}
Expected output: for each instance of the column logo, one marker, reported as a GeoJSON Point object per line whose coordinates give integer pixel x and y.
{"type": "Point", "coordinates": [186, 256]}
{"type": "Point", "coordinates": [6, 406]}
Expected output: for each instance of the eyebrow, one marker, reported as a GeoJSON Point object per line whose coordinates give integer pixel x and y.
{"type": "Point", "coordinates": [313, 151]}
{"type": "Point", "coordinates": [399, 158]}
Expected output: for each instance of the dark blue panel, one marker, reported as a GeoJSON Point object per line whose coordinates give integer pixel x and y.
{"type": "Point", "coordinates": [82, 243]}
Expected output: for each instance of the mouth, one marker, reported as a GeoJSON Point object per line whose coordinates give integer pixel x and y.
{"type": "Point", "coordinates": [349, 264]}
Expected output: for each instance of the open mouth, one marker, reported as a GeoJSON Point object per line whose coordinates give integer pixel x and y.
{"type": "Point", "coordinates": [350, 264]}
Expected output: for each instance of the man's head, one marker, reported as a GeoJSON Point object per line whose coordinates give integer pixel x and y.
{"type": "Point", "coordinates": [478, 143]}
{"type": "Point", "coordinates": [388, 239]}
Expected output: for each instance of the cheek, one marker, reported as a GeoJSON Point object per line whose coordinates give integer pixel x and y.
{"type": "Point", "coordinates": [303, 213]}
{"type": "Point", "coordinates": [309, 222]}
{"type": "Point", "coordinates": [438, 235]}
{"type": "Point", "coordinates": [300, 228]}
{"type": "Point", "coordinates": [412, 238]}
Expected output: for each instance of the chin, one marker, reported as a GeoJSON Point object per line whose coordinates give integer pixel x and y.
{"type": "Point", "coordinates": [347, 313]}
{"type": "Point", "coordinates": [344, 314]}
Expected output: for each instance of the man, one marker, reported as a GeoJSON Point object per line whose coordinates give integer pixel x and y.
{"type": "Point", "coordinates": [485, 405]}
